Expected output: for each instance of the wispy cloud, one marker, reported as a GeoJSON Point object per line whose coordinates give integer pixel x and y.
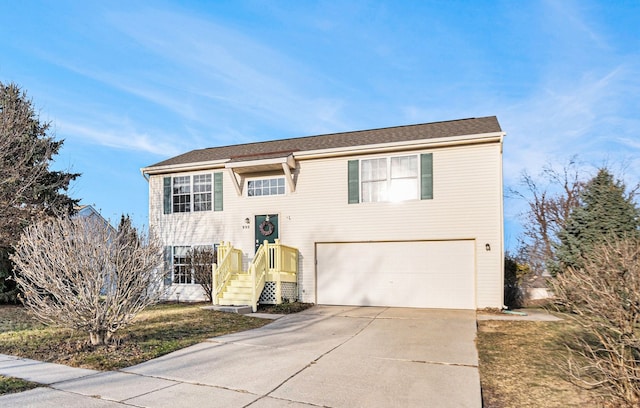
{"type": "Point", "coordinates": [206, 82]}
{"type": "Point", "coordinates": [569, 17]}
{"type": "Point", "coordinates": [222, 69]}
{"type": "Point", "coordinates": [121, 138]}
{"type": "Point", "coordinates": [563, 120]}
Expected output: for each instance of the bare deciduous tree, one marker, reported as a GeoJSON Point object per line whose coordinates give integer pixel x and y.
{"type": "Point", "coordinates": [80, 273]}
{"type": "Point", "coordinates": [549, 204]}
{"type": "Point", "coordinates": [604, 295]}
{"type": "Point", "coordinates": [201, 260]}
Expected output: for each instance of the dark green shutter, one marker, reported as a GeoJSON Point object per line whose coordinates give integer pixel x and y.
{"type": "Point", "coordinates": [167, 266]}
{"type": "Point", "coordinates": [354, 182]}
{"type": "Point", "coordinates": [167, 195]}
{"type": "Point", "coordinates": [426, 176]}
{"type": "Point", "coordinates": [217, 191]}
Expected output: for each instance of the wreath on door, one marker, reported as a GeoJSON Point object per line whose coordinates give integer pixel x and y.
{"type": "Point", "coordinates": [266, 228]}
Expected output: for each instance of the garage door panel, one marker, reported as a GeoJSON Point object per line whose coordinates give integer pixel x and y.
{"type": "Point", "coordinates": [435, 274]}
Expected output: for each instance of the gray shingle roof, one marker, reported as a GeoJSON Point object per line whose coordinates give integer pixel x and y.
{"type": "Point", "coordinates": [283, 147]}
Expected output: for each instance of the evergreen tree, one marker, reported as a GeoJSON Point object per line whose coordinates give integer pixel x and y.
{"type": "Point", "coordinates": [29, 189]}
{"type": "Point", "coordinates": [606, 212]}
{"type": "Point", "coordinates": [126, 230]}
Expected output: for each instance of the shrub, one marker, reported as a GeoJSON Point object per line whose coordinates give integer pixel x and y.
{"type": "Point", "coordinates": [604, 297]}
{"type": "Point", "coordinates": [513, 273]}
{"type": "Point", "coordinates": [81, 274]}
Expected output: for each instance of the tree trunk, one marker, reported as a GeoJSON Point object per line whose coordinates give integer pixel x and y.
{"type": "Point", "coordinates": [100, 337]}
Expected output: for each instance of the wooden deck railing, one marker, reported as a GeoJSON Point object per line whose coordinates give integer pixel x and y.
{"type": "Point", "coordinates": [283, 266]}
{"type": "Point", "coordinates": [230, 265]}
{"type": "Point", "coordinates": [258, 271]}
{"type": "Point", "coordinates": [273, 263]}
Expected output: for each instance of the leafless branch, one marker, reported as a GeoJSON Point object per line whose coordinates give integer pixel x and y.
{"type": "Point", "coordinates": [604, 296]}
{"type": "Point", "coordinates": [550, 202]}
{"type": "Point", "coordinates": [201, 260]}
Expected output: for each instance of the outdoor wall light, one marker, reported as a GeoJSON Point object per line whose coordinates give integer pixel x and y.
{"type": "Point", "coordinates": [487, 247]}
{"type": "Point", "coordinates": [247, 220]}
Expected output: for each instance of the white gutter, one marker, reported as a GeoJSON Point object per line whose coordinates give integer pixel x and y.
{"type": "Point", "coordinates": [399, 146]}
{"type": "Point", "coordinates": [171, 168]}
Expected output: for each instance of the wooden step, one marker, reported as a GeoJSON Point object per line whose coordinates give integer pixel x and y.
{"type": "Point", "coordinates": [235, 299]}
{"type": "Point", "coordinates": [239, 284]}
{"type": "Point", "coordinates": [238, 289]}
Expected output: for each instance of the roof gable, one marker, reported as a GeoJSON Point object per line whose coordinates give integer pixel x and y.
{"type": "Point", "coordinates": [285, 147]}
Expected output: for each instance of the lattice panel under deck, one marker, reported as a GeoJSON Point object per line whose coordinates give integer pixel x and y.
{"type": "Point", "coordinates": [289, 292]}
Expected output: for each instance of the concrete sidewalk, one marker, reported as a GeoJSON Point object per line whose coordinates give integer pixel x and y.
{"type": "Point", "coordinates": [325, 356]}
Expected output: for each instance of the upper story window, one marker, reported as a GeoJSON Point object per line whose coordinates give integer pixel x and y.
{"type": "Point", "coordinates": [265, 187]}
{"type": "Point", "coordinates": [374, 174]}
{"type": "Point", "coordinates": [389, 179]}
{"type": "Point", "coordinates": [182, 194]}
{"type": "Point", "coordinates": [200, 192]}
{"type": "Point", "coordinates": [403, 178]}
{"type": "Point", "coordinates": [396, 178]}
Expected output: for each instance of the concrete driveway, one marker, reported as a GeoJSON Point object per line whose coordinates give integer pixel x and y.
{"type": "Point", "coordinates": [326, 356]}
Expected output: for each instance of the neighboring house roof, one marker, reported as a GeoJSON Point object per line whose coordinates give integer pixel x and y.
{"type": "Point", "coordinates": [285, 147]}
{"type": "Point", "coordinates": [87, 211]}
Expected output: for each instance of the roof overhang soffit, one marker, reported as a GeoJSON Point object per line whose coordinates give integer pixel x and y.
{"type": "Point", "coordinates": [239, 169]}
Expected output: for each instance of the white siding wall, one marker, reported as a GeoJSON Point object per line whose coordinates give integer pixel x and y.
{"type": "Point", "coordinates": [467, 204]}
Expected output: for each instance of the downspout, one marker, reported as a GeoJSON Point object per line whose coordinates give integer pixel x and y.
{"type": "Point", "coordinates": [502, 222]}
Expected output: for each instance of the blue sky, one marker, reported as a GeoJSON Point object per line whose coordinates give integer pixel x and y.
{"type": "Point", "coordinates": [130, 83]}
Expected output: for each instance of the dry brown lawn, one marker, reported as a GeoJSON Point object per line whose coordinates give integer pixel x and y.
{"type": "Point", "coordinates": [521, 365]}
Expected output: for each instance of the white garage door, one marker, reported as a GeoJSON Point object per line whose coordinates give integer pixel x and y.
{"type": "Point", "coordinates": [427, 274]}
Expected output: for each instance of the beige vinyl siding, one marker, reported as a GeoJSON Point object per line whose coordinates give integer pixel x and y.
{"type": "Point", "coordinates": [466, 205]}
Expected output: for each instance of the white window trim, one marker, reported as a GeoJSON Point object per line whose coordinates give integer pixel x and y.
{"type": "Point", "coordinates": [389, 179]}
{"type": "Point", "coordinates": [192, 193]}
{"type": "Point", "coordinates": [173, 264]}
{"type": "Point", "coordinates": [284, 186]}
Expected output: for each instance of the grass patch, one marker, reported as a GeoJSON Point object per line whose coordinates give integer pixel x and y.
{"type": "Point", "coordinates": [10, 385]}
{"type": "Point", "coordinates": [521, 365]}
{"type": "Point", "coordinates": [156, 331]}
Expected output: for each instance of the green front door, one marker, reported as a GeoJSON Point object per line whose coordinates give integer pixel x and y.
{"type": "Point", "coordinates": [266, 229]}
